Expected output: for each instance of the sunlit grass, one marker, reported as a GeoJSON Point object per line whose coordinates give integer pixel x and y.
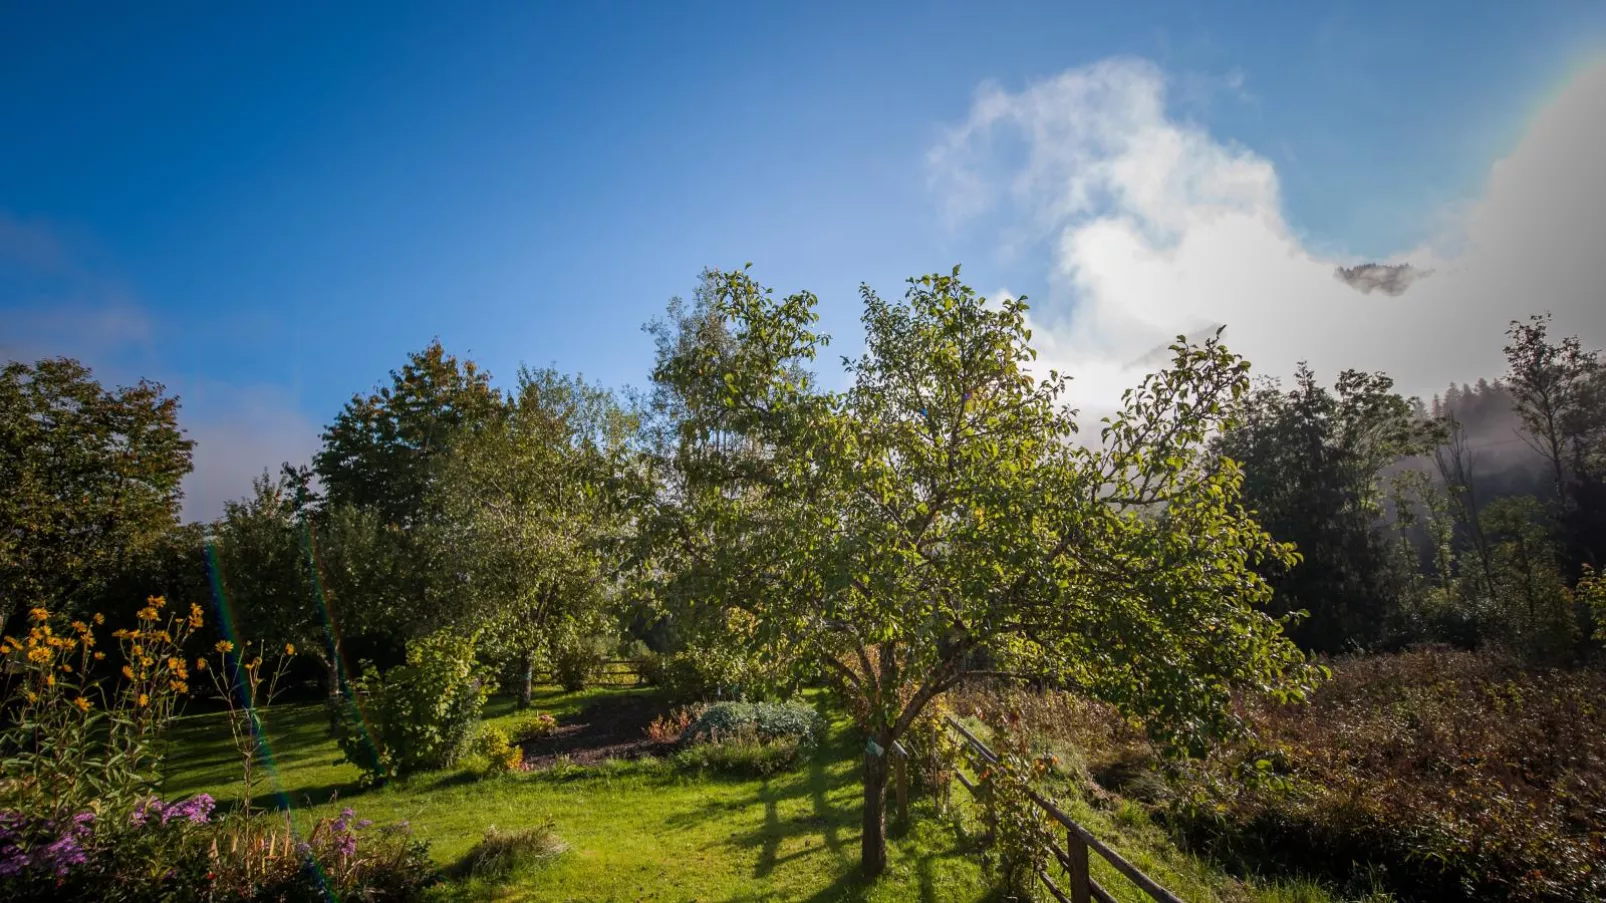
{"type": "Point", "coordinates": [636, 830]}
{"type": "Point", "coordinates": [647, 830]}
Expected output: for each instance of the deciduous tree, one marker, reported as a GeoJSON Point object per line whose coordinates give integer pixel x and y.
{"type": "Point", "coordinates": [92, 481]}
{"type": "Point", "coordinates": [940, 513]}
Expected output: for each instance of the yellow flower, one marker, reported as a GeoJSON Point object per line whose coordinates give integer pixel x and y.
{"type": "Point", "coordinates": [138, 649]}
{"type": "Point", "coordinates": [50, 680]}
{"type": "Point", "coordinates": [200, 664]}
{"type": "Point", "coordinates": [148, 613]}
{"type": "Point", "coordinates": [38, 654]}
{"type": "Point", "coordinates": [175, 662]}
{"type": "Point", "coordinates": [99, 656]}
{"type": "Point", "coordinates": [156, 601]}
{"type": "Point", "coordinates": [39, 614]}
{"type": "Point", "coordinates": [179, 686]}
{"type": "Point", "coordinates": [289, 649]}
{"type": "Point", "coordinates": [80, 626]}
{"type": "Point", "coordinates": [99, 618]}
{"type": "Point", "coordinates": [224, 646]}
{"type": "Point", "coordinates": [128, 672]}
{"type": "Point", "coordinates": [143, 700]}
{"type": "Point", "coordinates": [195, 615]}
{"type": "Point", "coordinates": [82, 703]}
{"type": "Point", "coordinates": [66, 668]}
{"type": "Point", "coordinates": [32, 696]}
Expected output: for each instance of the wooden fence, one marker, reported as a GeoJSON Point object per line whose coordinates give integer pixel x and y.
{"type": "Point", "coordinates": [620, 672]}
{"type": "Point", "coordinates": [615, 672]}
{"type": "Point", "coordinates": [1073, 857]}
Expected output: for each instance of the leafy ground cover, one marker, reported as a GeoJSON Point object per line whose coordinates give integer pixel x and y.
{"type": "Point", "coordinates": [647, 829]}
{"type": "Point", "coordinates": [1431, 775]}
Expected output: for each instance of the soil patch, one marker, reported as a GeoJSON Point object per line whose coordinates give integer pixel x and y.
{"type": "Point", "coordinates": [606, 729]}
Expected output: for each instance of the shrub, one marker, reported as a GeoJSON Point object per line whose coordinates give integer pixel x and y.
{"type": "Point", "coordinates": [501, 852]}
{"type": "Point", "coordinates": [578, 659]}
{"type": "Point", "coordinates": [344, 858]}
{"type": "Point", "coordinates": [1017, 831]}
{"type": "Point", "coordinates": [533, 727]}
{"type": "Point", "coordinates": [422, 715]}
{"type": "Point", "coordinates": [742, 753]}
{"type": "Point", "coordinates": [501, 756]}
{"type": "Point", "coordinates": [668, 728]}
{"type": "Point", "coordinates": [765, 721]}
{"type": "Point", "coordinates": [705, 673]}
{"type": "Point", "coordinates": [933, 749]}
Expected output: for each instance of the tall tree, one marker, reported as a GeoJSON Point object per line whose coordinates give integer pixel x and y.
{"type": "Point", "coordinates": [529, 522]}
{"type": "Point", "coordinates": [1313, 460]}
{"type": "Point", "coordinates": [264, 561]}
{"type": "Point", "coordinates": [380, 459]}
{"type": "Point", "coordinates": [938, 510]}
{"type": "Point", "coordinates": [383, 450]}
{"type": "Point", "coordinates": [1559, 389]}
{"type": "Point", "coordinates": [92, 481]}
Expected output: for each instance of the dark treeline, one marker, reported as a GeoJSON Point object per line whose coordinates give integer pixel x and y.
{"type": "Point", "coordinates": [1464, 520]}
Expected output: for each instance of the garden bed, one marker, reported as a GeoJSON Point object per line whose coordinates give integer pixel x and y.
{"type": "Point", "coordinates": [610, 728]}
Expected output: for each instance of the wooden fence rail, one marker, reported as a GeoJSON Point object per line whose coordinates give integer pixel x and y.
{"type": "Point", "coordinates": [1078, 841]}
{"type": "Point", "coordinates": [614, 672]}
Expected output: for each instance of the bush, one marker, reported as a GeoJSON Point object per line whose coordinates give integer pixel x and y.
{"type": "Point", "coordinates": [501, 756]}
{"type": "Point", "coordinates": [533, 727]}
{"type": "Point", "coordinates": [578, 660]}
{"type": "Point", "coordinates": [763, 721]}
{"type": "Point", "coordinates": [668, 728]}
{"type": "Point", "coordinates": [422, 715]}
{"type": "Point", "coordinates": [742, 753]}
{"type": "Point", "coordinates": [343, 858]}
{"type": "Point", "coordinates": [699, 674]}
{"type": "Point", "coordinates": [501, 852]}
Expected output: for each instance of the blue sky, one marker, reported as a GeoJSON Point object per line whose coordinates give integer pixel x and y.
{"type": "Point", "coordinates": [267, 208]}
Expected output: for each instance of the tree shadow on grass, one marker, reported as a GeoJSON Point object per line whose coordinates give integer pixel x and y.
{"type": "Point", "coordinates": [836, 824]}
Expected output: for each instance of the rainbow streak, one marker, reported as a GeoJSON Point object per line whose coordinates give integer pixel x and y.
{"type": "Point", "coordinates": [332, 639]}
{"type": "Point", "coordinates": [235, 660]}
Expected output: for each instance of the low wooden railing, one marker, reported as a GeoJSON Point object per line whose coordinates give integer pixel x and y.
{"type": "Point", "coordinates": [1073, 857]}
{"type": "Point", "coordinates": [615, 672]}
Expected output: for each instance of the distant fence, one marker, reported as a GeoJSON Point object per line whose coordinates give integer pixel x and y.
{"type": "Point", "coordinates": [620, 672]}
{"type": "Point", "coordinates": [1073, 857]}
{"type": "Point", "coordinates": [615, 672]}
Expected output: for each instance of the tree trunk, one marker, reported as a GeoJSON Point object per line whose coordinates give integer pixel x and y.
{"type": "Point", "coordinates": [331, 668]}
{"type": "Point", "coordinates": [873, 846]}
{"type": "Point", "coordinates": [526, 679]}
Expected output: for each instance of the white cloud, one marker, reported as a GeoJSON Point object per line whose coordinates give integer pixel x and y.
{"type": "Point", "coordinates": [1154, 228]}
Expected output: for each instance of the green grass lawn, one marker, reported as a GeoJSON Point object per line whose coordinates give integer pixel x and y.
{"type": "Point", "coordinates": [646, 830]}
{"type": "Point", "coordinates": [637, 830]}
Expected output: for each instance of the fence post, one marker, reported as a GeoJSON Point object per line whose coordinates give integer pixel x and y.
{"type": "Point", "coordinates": [900, 763]}
{"type": "Point", "coordinates": [1080, 877]}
